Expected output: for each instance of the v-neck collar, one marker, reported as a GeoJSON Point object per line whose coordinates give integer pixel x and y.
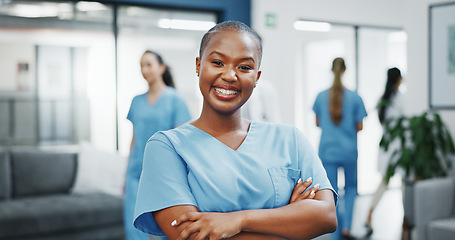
{"type": "Point", "coordinates": [241, 144]}
{"type": "Point", "coordinates": [157, 99]}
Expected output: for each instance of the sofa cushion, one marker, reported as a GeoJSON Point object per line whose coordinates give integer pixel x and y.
{"type": "Point", "coordinates": [99, 171]}
{"type": "Point", "coordinates": [443, 229]}
{"type": "Point", "coordinates": [58, 213]}
{"type": "Point", "coordinates": [107, 232]}
{"type": "Point", "coordinates": [37, 172]}
{"type": "Point", "coordinates": [5, 175]}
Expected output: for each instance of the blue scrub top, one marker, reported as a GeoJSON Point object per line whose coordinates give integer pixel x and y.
{"type": "Point", "coordinates": [168, 111]}
{"type": "Point", "coordinates": [339, 141]}
{"type": "Point", "coordinates": [187, 166]}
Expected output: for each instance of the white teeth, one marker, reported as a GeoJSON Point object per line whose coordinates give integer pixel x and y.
{"type": "Point", "coordinates": [225, 91]}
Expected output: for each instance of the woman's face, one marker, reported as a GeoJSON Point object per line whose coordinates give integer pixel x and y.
{"type": "Point", "coordinates": [151, 69]}
{"type": "Point", "coordinates": [228, 70]}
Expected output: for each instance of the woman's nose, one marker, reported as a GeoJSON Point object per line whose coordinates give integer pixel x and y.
{"type": "Point", "coordinates": [229, 75]}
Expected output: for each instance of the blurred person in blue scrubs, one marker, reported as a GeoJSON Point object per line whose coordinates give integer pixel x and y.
{"type": "Point", "coordinates": [160, 108]}
{"type": "Point", "coordinates": [339, 114]}
{"type": "Point", "coordinates": [223, 176]}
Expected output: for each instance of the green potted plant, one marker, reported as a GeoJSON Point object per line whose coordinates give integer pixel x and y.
{"type": "Point", "coordinates": [424, 149]}
{"type": "Point", "coordinates": [424, 146]}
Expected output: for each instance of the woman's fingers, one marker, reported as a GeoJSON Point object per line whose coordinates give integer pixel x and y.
{"type": "Point", "coordinates": [189, 229]}
{"type": "Point", "coordinates": [190, 216]}
{"type": "Point", "coordinates": [299, 188]}
{"type": "Point", "coordinates": [205, 226]}
{"type": "Point", "coordinates": [296, 191]}
{"type": "Point", "coordinates": [313, 191]}
{"type": "Point", "coordinates": [193, 228]}
{"type": "Point", "coordinates": [310, 193]}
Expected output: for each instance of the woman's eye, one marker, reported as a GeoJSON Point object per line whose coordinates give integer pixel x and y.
{"type": "Point", "coordinates": [245, 67]}
{"type": "Point", "coordinates": [218, 63]}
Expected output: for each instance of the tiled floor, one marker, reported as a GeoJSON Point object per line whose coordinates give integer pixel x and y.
{"type": "Point", "coordinates": [387, 218]}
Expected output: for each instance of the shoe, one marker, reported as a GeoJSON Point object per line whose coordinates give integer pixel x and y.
{"type": "Point", "coordinates": [348, 237]}
{"type": "Point", "coordinates": [369, 230]}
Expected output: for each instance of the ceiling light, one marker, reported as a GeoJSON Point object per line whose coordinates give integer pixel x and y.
{"type": "Point", "coordinates": [399, 36]}
{"type": "Point", "coordinates": [185, 24]}
{"type": "Point", "coordinates": [312, 26]}
{"type": "Point", "coordinates": [90, 6]}
{"type": "Point", "coordinates": [34, 11]}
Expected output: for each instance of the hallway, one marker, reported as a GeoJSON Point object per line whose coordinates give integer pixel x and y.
{"type": "Point", "coordinates": [387, 218]}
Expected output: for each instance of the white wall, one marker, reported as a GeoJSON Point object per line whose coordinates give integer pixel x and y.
{"type": "Point", "coordinates": [416, 26]}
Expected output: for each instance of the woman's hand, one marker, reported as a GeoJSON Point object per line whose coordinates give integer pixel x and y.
{"type": "Point", "coordinates": [209, 225]}
{"type": "Point", "coordinates": [300, 191]}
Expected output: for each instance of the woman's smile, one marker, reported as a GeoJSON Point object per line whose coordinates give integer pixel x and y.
{"type": "Point", "coordinates": [225, 92]}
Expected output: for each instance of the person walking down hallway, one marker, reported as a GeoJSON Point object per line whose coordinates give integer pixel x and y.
{"type": "Point", "coordinates": [339, 114]}
{"type": "Point", "coordinates": [390, 107]}
{"type": "Point", "coordinates": [160, 108]}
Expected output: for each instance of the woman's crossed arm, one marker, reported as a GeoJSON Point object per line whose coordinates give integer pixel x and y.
{"type": "Point", "coordinates": [309, 214]}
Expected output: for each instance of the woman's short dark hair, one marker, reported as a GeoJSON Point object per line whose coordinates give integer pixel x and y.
{"type": "Point", "coordinates": [230, 25]}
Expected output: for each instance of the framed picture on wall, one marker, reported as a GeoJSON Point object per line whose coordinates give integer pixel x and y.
{"type": "Point", "coordinates": [23, 76]}
{"type": "Point", "coordinates": [442, 56]}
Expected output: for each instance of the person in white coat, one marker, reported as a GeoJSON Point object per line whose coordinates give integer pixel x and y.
{"type": "Point", "coordinates": [390, 108]}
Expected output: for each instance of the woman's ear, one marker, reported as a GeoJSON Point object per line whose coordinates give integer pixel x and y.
{"type": "Point", "coordinates": [257, 78]}
{"type": "Point", "coordinates": [163, 68]}
{"type": "Point", "coordinates": [198, 65]}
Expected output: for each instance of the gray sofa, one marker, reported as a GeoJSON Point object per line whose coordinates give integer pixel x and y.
{"type": "Point", "coordinates": [36, 200]}
{"type": "Point", "coordinates": [434, 208]}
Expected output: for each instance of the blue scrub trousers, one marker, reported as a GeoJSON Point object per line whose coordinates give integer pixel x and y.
{"type": "Point", "coordinates": [344, 215]}
{"type": "Point", "coordinates": [129, 202]}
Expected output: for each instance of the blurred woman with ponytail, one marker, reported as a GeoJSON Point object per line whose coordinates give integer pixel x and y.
{"type": "Point", "coordinates": [390, 107]}
{"type": "Point", "coordinates": [160, 108]}
{"type": "Point", "coordinates": [339, 114]}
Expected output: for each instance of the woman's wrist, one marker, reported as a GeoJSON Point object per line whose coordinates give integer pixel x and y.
{"type": "Point", "coordinates": [243, 220]}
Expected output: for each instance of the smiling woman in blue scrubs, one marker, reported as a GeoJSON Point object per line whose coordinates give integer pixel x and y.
{"type": "Point", "coordinates": [223, 176]}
